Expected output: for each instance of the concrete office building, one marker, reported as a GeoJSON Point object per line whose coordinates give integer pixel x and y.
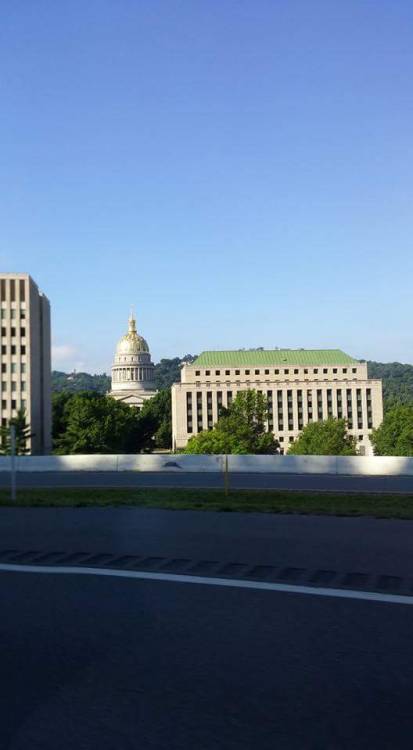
{"type": "Point", "coordinates": [301, 386]}
{"type": "Point", "coordinates": [25, 357]}
{"type": "Point", "coordinates": [132, 370]}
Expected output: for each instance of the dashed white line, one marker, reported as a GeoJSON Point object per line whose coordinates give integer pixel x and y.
{"type": "Point", "coordinates": [369, 596]}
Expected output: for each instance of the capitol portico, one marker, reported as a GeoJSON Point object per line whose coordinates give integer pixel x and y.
{"type": "Point", "coordinates": [132, 370]}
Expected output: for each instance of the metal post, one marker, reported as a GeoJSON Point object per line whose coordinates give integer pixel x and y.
{"type": "Point", "coordinates": [13, 460]}
{"type": "Point", "coordinates": [226, 477]}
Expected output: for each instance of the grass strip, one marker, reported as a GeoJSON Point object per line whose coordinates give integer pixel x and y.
{"type": "Point", "coordinates": [246, 501]}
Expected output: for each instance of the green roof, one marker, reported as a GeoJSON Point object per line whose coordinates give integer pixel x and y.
{"type": "Point", "coordinates": [241, 357]}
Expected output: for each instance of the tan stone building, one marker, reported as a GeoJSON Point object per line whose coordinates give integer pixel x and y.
{"type": "Point", "coordinates": [132, 370]}
{"type": "Point", "coordinates": [301, 386]}
{"type": "Point", "coordinates": [25, 357]}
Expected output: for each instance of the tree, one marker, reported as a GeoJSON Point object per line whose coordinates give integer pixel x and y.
{"type": "Point", "coordinates": [155, 421]}
{"type": "Point", "coordinates": [23, 435]}
{"type": "Point", "coordinates": [240, 429]}
{"type": "Point", "coordinates": [98, 424]}
{"type": "Point", "coordinates": [394, 437]}
{"type": "Point", "coordinates": [327, 438]}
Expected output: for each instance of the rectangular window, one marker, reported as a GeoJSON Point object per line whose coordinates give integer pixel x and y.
{"type": "Point", "coordinates": [339, 403]}
{"type": "Point", "coordinates": [23, 349]}
{"type": "Point", "coordinates": [209, 410]}
{"type": "Point", "coordinates": [305, 371]}
{"type": "Point", "coordinates": [276, 372]}
{"type": "Point", "coordinates": [197, 372]}
{"type": "Point", "coordinates": [3, 290]}
{"type": "Point", "coordinates": [329, 402]}
{"type": "Point", "coordinates": [315, 371]}
{"type": "Point", "coordinates": [22, 332]}
{"type": "Point", "coordinates": [325, 371]}
{"type": "Point", "coordinates": [219, 403]}
{"type": "Point", "coordinates": [266, 372]}
{"type": "Point", "coordinates": [247, 372]}
{"type": "Point", "coordinates": [354, 370]}
{"type": "Point", "coordinates": [207, 372]}
{"type": "Point", "coordinates": [319, 405]}
{"type": "Point", "coordinates": [3, 349]}
{"type": "Point", "coordinates": [4, 367]}
{"type": "Point", "coordinates": [256, 372]}
{"type": "Point", "coordinates": [286, 372]}
{"type": "Point", "coordinates": [229, 398]}
{"type": "Point", "coordinates": [369, 409]}
{"type": "Point", "coordinates": [349, 408]}
{"type": "Point", "coordinates": [227, 372]}
{"type": "Point", "coordinates": [199, 410]}
{"type": "Point", "coordinates": [217, 372]}
{"type": "Point", "coordinates": [290, 410]}
{"type": "Point", "coordinates": [22, 290]}
{"type": "Point", "coordinates": [295, 372]}
{"type": "Point", "coordinates": [280, 414]}
{"type": "Point", "coordinates": [300, 409]}
{"type": "Point", "coordinates": [12, 290]}
{"type": "Point", "coordinates": [237, 372]}
{"type": "Point", "coordinates": [344, 370]}
{"type": "Point", "coordinates": [189, 412]}
{"type": "Point", "coordinates": [3, 331]}
{"type": "Point", "coordinates": [359, 409]}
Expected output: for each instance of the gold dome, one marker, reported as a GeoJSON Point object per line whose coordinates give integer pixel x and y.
{"type": "Point", "coordinates": [131, 342]}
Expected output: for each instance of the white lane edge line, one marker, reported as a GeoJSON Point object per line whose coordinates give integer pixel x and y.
{"type": "Point", "coordinates": [371, 596]}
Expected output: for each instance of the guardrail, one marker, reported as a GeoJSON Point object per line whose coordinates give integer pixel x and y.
{"type": "Point", "coordinates": [348, 465]}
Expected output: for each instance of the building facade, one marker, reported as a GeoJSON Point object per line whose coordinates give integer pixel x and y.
{"type": "Point", "coordinates": [301, 386]}
{"type": "Point", "coordinates": [132, 370]}
{"type": "Point", "coordinates": [25, 357]}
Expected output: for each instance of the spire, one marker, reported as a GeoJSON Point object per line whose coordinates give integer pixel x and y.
{"type": "Point", "coordinates": [132, 320]}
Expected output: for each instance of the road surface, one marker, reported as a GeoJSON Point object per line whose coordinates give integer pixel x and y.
{"type": "Point", "coordinates": [210, 480]}
{"type": "Point", "coordinates": [98, 662]}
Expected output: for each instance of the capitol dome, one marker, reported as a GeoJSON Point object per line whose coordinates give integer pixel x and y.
{"type": "Point", "coordinates": [133, 370]}
{"type": "Point", "coordinates": [131, 342]}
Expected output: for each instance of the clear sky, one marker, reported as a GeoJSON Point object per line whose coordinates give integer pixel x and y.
{"type": "Point", "coordinates": [239, 170]}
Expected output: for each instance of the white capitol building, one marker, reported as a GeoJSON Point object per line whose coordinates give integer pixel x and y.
{"type": "Point", "coordinates": [132, 369]}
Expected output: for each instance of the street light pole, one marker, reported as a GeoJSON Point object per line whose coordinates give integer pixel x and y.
{"type": "Point", "coordinates": [13, 460]}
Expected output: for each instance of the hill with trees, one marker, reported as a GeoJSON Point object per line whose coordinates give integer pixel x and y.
{"type": "Point", "coordinates": [397, 382]}
{"type": "Point", "coordinates": [167, 372]}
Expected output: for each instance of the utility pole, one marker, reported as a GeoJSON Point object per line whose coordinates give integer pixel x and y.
{"type": "Point", "coordinates": [13, 460]}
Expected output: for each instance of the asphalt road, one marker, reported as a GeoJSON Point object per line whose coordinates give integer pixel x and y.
{"type": "Point", "coordinates": [118, 664]}
{"type": "Point", "coordinates": [104, 664]}
{"type": "Point", "coordinates": [211, 480]}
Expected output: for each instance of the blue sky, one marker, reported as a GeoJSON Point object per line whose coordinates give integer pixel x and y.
{"type": "Point", "coordinates": [240, 171]}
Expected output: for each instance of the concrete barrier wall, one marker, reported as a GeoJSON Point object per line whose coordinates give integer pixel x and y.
{"type": "Point", "coordinates": [350, 465]}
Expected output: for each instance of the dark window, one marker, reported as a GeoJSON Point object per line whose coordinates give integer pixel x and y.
{"type": "Point", "coordinates": [247, 372]}
{"type": "Point", "coordinates": [286, 372]}
{"type": "Point", "coordinates": [315, 371]}
{"type": "Point", "coordinates": [3, 289]}
{"type": "Point", "coordinates": [229, 398]}
{"type": "Point", "coordinates": [13, 290]}
{"type": "Point", "coordinates": [219, 402]}
{"type": "Point", "coordinates": [305, 371]}
{"type": "Point", "coordinates": [325, 371]}
{"type": "Point", "coordinates": [344, 370]}
{"type": "Point", "coordinates": [13, 402]}
{"type": "Point", "coordinates": [295, 372]}
{"type": "Point", "coordinates": [197, 372]}
{"type": "Point", "coordinates": [276, 372]}
{"type": "Point", "coordinates": [3, 331]}
{"type": "Point", "coordinates": [354, 369]}
{"type": "Point", "coordinates": [236, 372]}
{"type": "Point", "coordinates": [227, 372]}
{"type": "Point", "coordinates": [217, 372]}
{"type": "Point", "coordinates": [4, 349]}
{"type": "Point", "coordinates": [209, 410]}
{"type": "Point", "coordinates": [334, 370]}
{"type": "Point", "coordinates": [22, 290]}
{"type": "Point", "coordinates": [4, 367]}
{"type": "Point", "coordinates": [266, 372]}
{"type": "Point", "coordinates": [207, 372]}
{"type": "Point", "coordinates": [23, 350]}
{"type": "Point", "coordinates": [257, 372]}
{"type": "Point", "coordinates": [189, 412]}
{"type": "Point", "coordinates": [13, 349]}
{"type": "Point", "coordinates": [13, 331]}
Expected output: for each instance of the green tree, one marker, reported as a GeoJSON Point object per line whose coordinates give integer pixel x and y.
{"type": "Point", "coordinates": [23, 435]}
{"type": "Point", "coordinates": [240, 429]}
{"type": "Point", "coordinates": [327, 438]}
{"type": "Point", "coordinates": [394, 437]}
{"type": "Point", "coordinates": [98, 424]}
{"type": "Point", "coordinates": [155, 421]}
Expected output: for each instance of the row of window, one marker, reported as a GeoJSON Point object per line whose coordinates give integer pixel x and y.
{"type": "Point", "coordinates": [286, 371]}
{"type": "Point", "coordinates": [13, 386]}
{"type": "Point", "coordinates": [13, 349]}
{"type": "Point", "coordinates": [15, 405]}
{"type": "Point", "coordinates": [15, 286]}
{"type": "Point", "coordinates": [12, 314]}
{"type": "Point", "coordinates": [316, 409]}
{"type": "Point", "coordinates": [13, 367]}
{"type": "Point", "coordinates": [13, 331]}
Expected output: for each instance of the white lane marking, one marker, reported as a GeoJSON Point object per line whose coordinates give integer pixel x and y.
{"type": "Point", "coordinates": [369, 596]}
